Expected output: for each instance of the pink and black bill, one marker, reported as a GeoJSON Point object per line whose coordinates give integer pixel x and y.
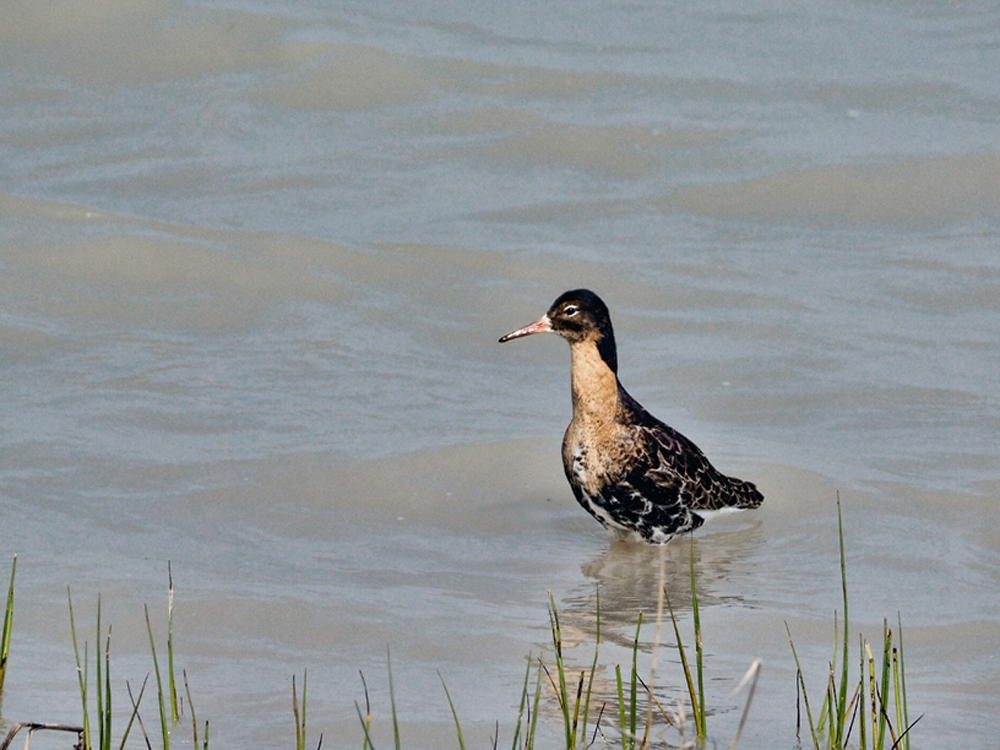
{"type": "Point", "coordinates": [542, 325]}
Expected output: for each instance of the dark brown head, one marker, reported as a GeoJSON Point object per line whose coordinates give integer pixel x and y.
{"type": "Point", "coordinates": [578, 316]}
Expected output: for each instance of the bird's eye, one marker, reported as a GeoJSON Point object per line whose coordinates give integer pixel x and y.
{"type": "Point", "coordinates": [570, 310]}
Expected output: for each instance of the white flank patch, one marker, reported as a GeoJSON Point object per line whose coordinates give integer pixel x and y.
{"type": "Point", "coordinates": [602, 515]}
{"type": "Point", "coordinates": [708, 515]}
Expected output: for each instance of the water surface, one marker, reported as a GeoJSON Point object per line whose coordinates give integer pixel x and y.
{"type": "Point", "coordinates": [255, 261]}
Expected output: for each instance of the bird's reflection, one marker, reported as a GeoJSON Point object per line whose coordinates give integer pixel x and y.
{"type": "Point", "coordinates": [623, 581]}
{"type": "Point", "coordinates": [627, 579]}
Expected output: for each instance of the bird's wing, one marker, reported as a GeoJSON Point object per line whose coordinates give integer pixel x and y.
{"type": "Point", "coordinates": [679, 462]}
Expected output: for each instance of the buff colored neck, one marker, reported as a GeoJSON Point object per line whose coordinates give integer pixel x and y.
{"type": "Point", "coordinates": [595, 386]}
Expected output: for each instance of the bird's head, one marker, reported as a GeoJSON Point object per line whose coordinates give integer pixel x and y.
{"type": "Point", "coordinates": [580, 317]}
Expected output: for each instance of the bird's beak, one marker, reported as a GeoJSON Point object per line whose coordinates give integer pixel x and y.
{"type": "Point", "coordinates": [542, 325]}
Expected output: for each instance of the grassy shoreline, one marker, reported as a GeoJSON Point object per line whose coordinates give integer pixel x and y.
{"type": "Point", "coordinates": [587, 703]}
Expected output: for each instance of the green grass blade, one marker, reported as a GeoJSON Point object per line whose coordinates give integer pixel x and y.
{"type": "Point", "coordinates": [521, 707]}
{"type": "Point", "coordinates": [100, 686]}
{"type": "Point", "coordinates": [634, 690]}
{"type": "Point", "coordinates": [861, 725]}
{"type": "Point", "coordinates": [106, 718]}
{"type": "Point", "coordinates": [842, 698]}
{"type": "Point", "coordinates": [621, 706]}
{"type": "Point", "coordinates": [194, 718]}
{"type": "Point", "coordinates": [872, 697]}
{"type": "Point", "coordinates": [364, 727]}
{"type": "Point", "coordinates": [802, 682]}
{"type": "Point", "coordinates": [895, 691]}
{"type": "Point", "coordinates": [888, 722]}
{"type": "Point", "coordinates": [576, 709]}
{"type": "Point", "coordinates": [687, 670]}
{"type": "Point", "coordinates": [560, 671]}
{"type": "Point", "coordinates": [305, 686]}
{"type": "Point", "coordinates": [700, 709]}
{"type": "Point", "coordinates": [300, 718]}
{"type": "Point", "coordinates": [8, 622]}
{"type": "Point", "coordinates": [159, 684]}
{"type": "Point", "coordinates": [830, 694]}
{"type": "Point", "coordinates": [886, 655]}
{"type": "Point", "coordinates": [454, 713]}
{"type": "Point", "coordinates": [81, 671]}
{"type": "Point", "coordinates": [533, 719]}
{"type": "Point", "coordinates": [593, 670]}
{"type": "Point", "coordinates": [902, 686]}
{"type": "Point", "coordinates": [366, 720]}
{"type": "Point", "coordinates": [392, 699]}
{"type": "Point", "coordinates": [174, 711]}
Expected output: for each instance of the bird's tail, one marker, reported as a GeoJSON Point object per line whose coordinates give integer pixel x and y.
{"type": "Point", "coordinates": [746, 494]}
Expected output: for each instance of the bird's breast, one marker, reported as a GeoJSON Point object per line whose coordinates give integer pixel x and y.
{"type": "Point", "coordinates": [595, 458]}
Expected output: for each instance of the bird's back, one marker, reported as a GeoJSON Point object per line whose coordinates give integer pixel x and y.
{"type": "Point", "coordinates": [674, 460]}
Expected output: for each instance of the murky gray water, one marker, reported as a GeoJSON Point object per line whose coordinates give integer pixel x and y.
{"type": "Point", "coordinates": [253, 265]}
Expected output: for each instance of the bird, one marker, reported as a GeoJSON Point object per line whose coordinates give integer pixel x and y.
{"type": "Point", "coordinates": [639, 477]}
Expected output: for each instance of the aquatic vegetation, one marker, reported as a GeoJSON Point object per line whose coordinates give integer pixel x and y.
{"type": "Point", "coordinates": [838, 714]}
{"type": "Point", "coordinates": [571, 718]}
{"type": "Point", "coordinates": [628, 710]}
{"type": "Point", "coordinates": [697, 698]}
{"type": "Point", "coordinates": [454, 713]}
{"type": "Point", "coordinates": [170, 707]}
{"type": "Point", "coordinates": [102, 684]}
{"type": "Point", "coordinates": [300, 718]}
{"type": "Point", "coordinates": [8, 619]}
{"type": "Point", "coordinates": [168, 697]}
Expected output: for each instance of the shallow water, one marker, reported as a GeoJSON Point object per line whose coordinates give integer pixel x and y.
{"type": "Point", "coordinates": [254, 265]}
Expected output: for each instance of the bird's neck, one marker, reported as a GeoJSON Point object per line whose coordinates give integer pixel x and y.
{"type": "Point", "coordinates": [595, 386]}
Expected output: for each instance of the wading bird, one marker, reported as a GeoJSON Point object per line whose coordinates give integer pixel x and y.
{"type": "Point", "coordinates": [636, 475]}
